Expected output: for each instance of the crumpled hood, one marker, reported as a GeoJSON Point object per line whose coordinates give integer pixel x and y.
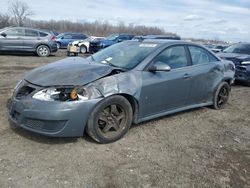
{"type": "Point", "coordinates": [230, 56]}
{"type": "Point", "coordinates": [69, 71]}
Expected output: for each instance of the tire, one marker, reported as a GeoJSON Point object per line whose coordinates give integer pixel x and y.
{"type": "Point", "coordinates": [83, 49]}
{"type": "Point", "coordinates": [43, 51]}
{"type": "Point", "coordinates": [110, 120]}
{"type": "Point", "coordinates": [58, 45]}
{"type": "Point", "coordinates": [221, 96]}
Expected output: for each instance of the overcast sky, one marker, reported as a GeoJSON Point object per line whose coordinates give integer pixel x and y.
{"type": "Point", "coordinates": [210, 19]}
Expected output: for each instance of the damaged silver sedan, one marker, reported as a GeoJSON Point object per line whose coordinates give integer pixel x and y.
{"type": "Point", "coordinates": [127, 83]}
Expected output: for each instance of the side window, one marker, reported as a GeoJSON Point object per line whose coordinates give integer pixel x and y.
{"type": "Point", "coordinates": [15, 32]}
{"type": "Point", "coordinates": [124, 38]}
{"type": "Point", "coordinates": [175, 57]}
{"type": "Point", "coordinates": [31, 33]}
{"type": "Point", "coordinates": [67, 37]}
{"type": "Point", "coordinates": [43, 34]}
{"type": "Point", "coordinates": [200, 55]}
{"type": "Point", "coordinates": [79, 37]}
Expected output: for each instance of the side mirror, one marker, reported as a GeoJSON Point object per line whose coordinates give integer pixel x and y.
{"type": "Point", "coordinates": [159, 66]}
{"type": "Point", "coordinates": [4, 34]}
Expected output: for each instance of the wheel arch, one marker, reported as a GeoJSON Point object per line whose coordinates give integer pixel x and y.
{"type": "Point", "coordinates": [134, 104]}
{"type": "Point", "coordinates": [44, 44]}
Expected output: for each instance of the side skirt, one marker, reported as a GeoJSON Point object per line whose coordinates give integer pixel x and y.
{"type": "Point", "coordinates": [172, 112]}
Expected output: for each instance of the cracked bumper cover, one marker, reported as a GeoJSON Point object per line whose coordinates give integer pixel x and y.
{"type": "Point", "coordinates": [57, 119]}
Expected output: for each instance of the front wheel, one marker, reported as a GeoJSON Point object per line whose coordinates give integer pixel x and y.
{"type": "Point", "coordinates": [221, 96]}
{"type": "Point", "coordinates": [83, 49]}
{"type": "Point", "coordinates": [110, 120]}
{"type": "Point", "coordinates": [43, 51]}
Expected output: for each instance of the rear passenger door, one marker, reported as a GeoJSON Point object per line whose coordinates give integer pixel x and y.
{"type": "Point", "coordinates": [31, 39]}
{"type": "Point", "coordinates": [13, 40]}
{"type": "Point", "coordinates": [204, 70]}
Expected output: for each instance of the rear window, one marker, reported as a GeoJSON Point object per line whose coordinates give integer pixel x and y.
{"type": "Point", "coordinates": [200, 55]}
{"type": "Point", "coordinates": [31, 33]}
{"type": "Point", "coordinates": [42, 34]}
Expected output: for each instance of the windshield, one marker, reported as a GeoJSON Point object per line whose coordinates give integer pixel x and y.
{"type": "Point", "coordinates": [124, 55]}
{"type": "Point", "coordinates": [112, 37]}
{"type": "Point", "coordinates": [238, 48]}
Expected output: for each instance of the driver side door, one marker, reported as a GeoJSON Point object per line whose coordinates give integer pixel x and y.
{"type": "Point", "coordinates": [164, 91]}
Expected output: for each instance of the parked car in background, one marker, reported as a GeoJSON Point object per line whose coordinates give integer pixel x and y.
{"type": "Point", "coordinates": [170, 37]}
{"type": "Point", "coordinates": [95, 46]}
{"type": "Point", "coordinates": [218, 48]}
{"type": "Point", "coordinates": [22, 39]}
{"type": "Point", "coordinates": [63, 39]}
{"type": "Point", "coordinates": [239, 54]}
{"type": "Point", "coordinates": [129, 82]}
{"type": "Point", "coordinates": [81, 46]}
{"type": "Point", "coordinates": [52, 32]}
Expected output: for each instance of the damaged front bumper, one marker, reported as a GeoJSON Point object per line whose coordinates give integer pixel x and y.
{"type": "Point", "coordinates": [57, 119]}
{"type": "Point", "coordinates": [242, 73]}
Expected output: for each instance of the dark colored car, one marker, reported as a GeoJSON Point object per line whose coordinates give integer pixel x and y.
{"type": "Point", "coordinates": [129, 82]}
{"type": "Point", "coordinates": [170, 37]}
{"type": "Point", "coordinates": [95, 46]}
{"type": "Point", "coordinates": [239, 54]}
{"type": "Point", "coordinates": [218, 48]}
{"type": "Point", "coordinates": [63, 39]}
{"type": "Point", "coordinates": [21, 39]}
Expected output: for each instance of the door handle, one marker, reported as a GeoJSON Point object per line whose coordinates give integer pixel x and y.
{"type": "Point", "coordinates": [186, 76]}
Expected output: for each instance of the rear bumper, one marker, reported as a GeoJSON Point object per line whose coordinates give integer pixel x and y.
{"type": "Point", "coordinates": [53, 47]}
{"type": "Point", "coordinates": [56, 119]}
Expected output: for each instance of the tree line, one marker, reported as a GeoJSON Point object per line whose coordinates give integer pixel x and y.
{"type": "Point", "coordinates": [20, 13]}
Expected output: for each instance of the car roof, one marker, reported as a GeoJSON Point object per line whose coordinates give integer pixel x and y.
{"type": "Point", "coordinates": [166, 41]}
{"type": "Point", "coordinates": [13, 27]}
{"type": "Point", "coordinates": [69, 33]}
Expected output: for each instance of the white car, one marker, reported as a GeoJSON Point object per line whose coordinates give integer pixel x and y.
{"type": "Point", "coordinates": [81, 46]}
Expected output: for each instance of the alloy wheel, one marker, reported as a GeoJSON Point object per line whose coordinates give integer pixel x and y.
{"type": "Point", "coordinates": [111, 120]}
{"type": "Point", "coordinates": [223, 96]}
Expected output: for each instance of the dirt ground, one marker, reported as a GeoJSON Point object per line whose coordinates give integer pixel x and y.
{"type": "Point", "coordinates": [197, 148]}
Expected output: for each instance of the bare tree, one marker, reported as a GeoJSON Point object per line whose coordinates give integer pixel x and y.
{"type": "Point", "coordinates": [4, 20]}
{"type": "Point", "coordinates": [20, 11]}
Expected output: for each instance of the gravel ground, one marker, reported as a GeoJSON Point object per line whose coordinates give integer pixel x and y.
{"type": "Point", "coordinates": [196, 148]}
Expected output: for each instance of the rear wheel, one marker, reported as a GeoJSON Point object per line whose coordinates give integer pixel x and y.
{"type": "Point", "coordinates": [43, 51]}
{"type": "Point", "coordinates": [221, 96]}
{"type": "Point", "coordinates": [110, 120]}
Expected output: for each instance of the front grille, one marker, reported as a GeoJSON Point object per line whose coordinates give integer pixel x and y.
{"type": "Point", "coordinates": [35, 123]}
{"type": "Point", "coordinates": [241, 68]}
{"type": "Point", "coordinates": [45, 125]}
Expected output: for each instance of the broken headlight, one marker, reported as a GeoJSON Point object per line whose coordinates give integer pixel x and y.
{"type": "Point", "coordinates": [67, 94]}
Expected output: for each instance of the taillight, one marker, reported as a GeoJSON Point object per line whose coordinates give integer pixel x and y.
{"type": "Point", "coordinates": [53, 38]}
